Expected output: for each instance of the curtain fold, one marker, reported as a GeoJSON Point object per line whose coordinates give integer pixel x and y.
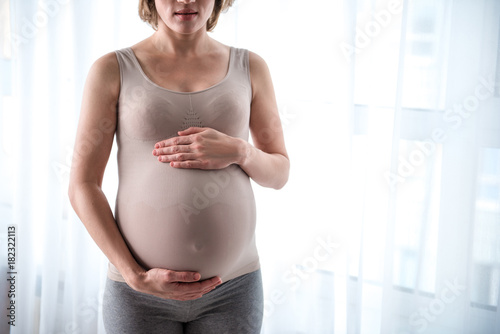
{"type": "Point", "coordinates": [390, 222]}
{"type": "Point", "coordinates": [424, 255]}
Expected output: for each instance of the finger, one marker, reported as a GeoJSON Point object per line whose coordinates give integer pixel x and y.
{"type": "Point", "coordinates": [211, 282]}
{"type": "Point", "coordinates": [171, 150]}
{"type": "Point", "coordinates": [177, 157]}
{"type": "Point", "coordinates": [182, 140]}
{"type": "Point", "coordinates": [193, 290]}
{"type": "Point", "coordinates": [189, 164]}
{"type": "Point", "coordinates": [183, 276]}
{"type": "Point", "coordinates": [190, 131]}
{"type": "Point", "coordinates": [208, 290]}
{"type": "Point", "coordinates": [198, 287]}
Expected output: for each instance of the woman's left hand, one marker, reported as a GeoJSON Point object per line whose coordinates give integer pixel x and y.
{"type": "Point", "coordinates": [201, 148]}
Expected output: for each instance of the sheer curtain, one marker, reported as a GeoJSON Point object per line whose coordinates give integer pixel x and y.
{"type": "Point", "coordinates": [425, 248]}
{"type": "Point", "coordinates": [47, 49]}
{"type": "Point", "coordinates": [390, 222]}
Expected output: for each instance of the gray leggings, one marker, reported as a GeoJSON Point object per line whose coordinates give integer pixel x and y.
{"type": "Point", "coordinates": [234, 307]}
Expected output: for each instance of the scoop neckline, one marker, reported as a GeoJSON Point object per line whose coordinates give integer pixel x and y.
{"type": "Point", "coordinates": [230, 67]}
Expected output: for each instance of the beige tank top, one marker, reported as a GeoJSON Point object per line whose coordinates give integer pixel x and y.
{"type": "Point", "coordinates": [183, 219]}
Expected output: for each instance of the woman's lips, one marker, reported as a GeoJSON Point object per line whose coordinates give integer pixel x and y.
{"type": "Point", "coordinates": [186, 14]}
{"type": "Point", "coordinates": [186, 17]}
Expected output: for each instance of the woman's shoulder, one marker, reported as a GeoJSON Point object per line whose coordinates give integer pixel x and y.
{"type": "Point", "coordinates": [107, 65]}
{"type": "Point", "coordinates": [258, 66]}
{"type": "Point", "coordinates": [260, 75]}
{"type": "Point", "coordinates": [107, 62]}
{"type": "Point", "coordinates": [105, 72]}
{"type": "Point", "coordinates": [256, 60]}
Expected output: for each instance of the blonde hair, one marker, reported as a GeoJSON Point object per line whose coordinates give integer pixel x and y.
{"type": "Point", "coordinates": [148, 13]}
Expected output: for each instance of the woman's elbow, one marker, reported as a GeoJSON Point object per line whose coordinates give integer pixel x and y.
{"type": "Point", "coordinates": [283, 175]}
{"type": "Point", "coordinates": [75, 189]}
{"type": "Point", "coordinates": [72, 193]}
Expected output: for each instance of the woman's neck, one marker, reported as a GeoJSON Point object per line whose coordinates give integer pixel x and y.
{"type": "Point", "coordinates": [168, 41]}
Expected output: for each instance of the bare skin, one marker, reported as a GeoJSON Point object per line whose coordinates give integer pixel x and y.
{"type": "Point", "coordinates": [179, 56]}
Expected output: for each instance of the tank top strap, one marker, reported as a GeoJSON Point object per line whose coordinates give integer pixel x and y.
{"type": "Point", "coordinates": [130, 73]}
{"type": "Point", "coordinates": [240, 61]}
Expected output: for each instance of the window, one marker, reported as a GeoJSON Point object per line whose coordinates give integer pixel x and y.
{"type": "Point", "coordinates": [5, 113]}
{"type": "Point", "coordinates": [486, 250]}
{"type": "Point", "coordinates": [417, 213]}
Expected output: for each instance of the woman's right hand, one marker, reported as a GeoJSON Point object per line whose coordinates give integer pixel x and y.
{"type": "Point", "coordinates": [171, 284]}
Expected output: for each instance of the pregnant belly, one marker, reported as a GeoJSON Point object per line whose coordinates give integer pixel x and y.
{"type": "Point", "coordinates": [193, 220]}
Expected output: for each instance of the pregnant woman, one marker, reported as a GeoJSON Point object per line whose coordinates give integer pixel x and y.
{"type": "Point", "coordinates": [181, 245]}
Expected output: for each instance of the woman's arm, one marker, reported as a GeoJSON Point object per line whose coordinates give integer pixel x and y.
{"type": "Point", "coordinates": [93, 144]}
{"type": "Point", "coordinates": [267, 161]}
{"type": "Point", "coordinates": [205, 148]}
{"type": "Point", "coordinates": [91, 152]}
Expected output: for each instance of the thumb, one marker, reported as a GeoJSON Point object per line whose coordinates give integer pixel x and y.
{"type": "Point", "coordinates": [190, 131]}
{"type": "Point", "coordinates": [183, 276]}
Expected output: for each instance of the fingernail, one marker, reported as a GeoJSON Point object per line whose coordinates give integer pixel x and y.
{"type": "Point", "coordinates": [154, 152]}
{"type": "Point", "coordinates": [197, 277]}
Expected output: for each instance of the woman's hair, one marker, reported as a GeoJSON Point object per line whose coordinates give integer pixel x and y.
{"type": "Point", "coordinates": [148, 13]}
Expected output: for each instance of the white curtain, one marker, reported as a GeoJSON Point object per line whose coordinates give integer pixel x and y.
{"type": "Point", "coordinates": [390, 222]}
